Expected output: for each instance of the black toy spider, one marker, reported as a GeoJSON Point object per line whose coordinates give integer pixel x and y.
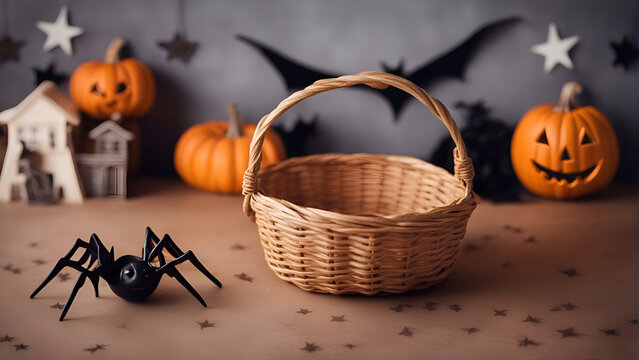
{"type": "Point", "coordinates": [130, 277]}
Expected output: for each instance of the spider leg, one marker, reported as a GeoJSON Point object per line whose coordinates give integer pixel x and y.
{"type": "Point", "coordinates": [174, 273]}
{"type": "Point", "coordinates": [66, 261]}
{"type": "Point", "coordinates": [150, 242]}
{"type": "Point", "coordinates": [190, 256]}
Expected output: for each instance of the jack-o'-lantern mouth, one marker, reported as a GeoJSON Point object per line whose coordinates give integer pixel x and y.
{"type": "Point", "coordinates": [569, 177]}
{"type": "Point", "coordinates": [112, 103]}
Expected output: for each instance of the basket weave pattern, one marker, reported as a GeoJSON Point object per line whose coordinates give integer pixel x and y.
{"type": "Point", "coordinates": [360, 223]}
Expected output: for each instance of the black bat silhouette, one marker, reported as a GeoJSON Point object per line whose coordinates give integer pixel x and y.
{"type": "Point", "coordinates": [449, 65]}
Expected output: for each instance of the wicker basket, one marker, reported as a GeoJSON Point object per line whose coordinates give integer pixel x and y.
{"type": "Point", "coordinates": [361, 223]}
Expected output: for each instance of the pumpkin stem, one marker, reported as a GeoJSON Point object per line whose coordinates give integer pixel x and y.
{"type": "Point", "coordinates": [235, 122]}
{"type": "Point", "coordinates": [567, 101]}
{"type": "Point", "coordinates": [112, 54]}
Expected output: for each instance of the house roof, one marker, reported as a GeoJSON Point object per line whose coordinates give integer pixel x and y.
{"type": "Point", "coordinates": [50, 92]}
{"type": "Point", "coordinates": [110, 125]}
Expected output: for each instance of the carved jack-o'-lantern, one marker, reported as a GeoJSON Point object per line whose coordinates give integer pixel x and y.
{"type": "Point", "coordinates": [113, 87]}
{"type": "Point", "coordinates": [564, 151]}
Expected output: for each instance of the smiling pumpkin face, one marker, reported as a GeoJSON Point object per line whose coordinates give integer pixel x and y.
{"type": "Point", "coordinates": [102, 89]}
{"type": "Point", "coordinates": [564, 151]}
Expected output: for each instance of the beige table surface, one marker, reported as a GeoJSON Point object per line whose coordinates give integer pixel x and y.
{"type": "Point", "coordinates": [512, 259]}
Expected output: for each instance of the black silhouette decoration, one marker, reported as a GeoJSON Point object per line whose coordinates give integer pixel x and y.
{"type": "Point", "coordinates": [406, 332]}
{"type": "Point", "coordinates": [471, 330]}
{"type": "Point", "coordinates": [570, 272]}
{"type": "Point", "coordinates": [569, 332]}
{"type": "Point", "coordinates": [21, 347]}
{"type": "Point", "coordinates": [10, 49]}
{"type": "Point", "coordinates": [310, 347]}
{"type": "Point", "coordinates": [295, 140]}
{"type": "Point", "coordinates": [95, 348]}
{"type": "Point", "coordinates": [528, 342]}
{"type": "Point", "coordinates": [500, 312]}
{"type": "Point", "coordinates": [244, 277]}
{"type": "Point", "coordinates": [57, 305]}
{"type": "Point", "coordinates": [455, 307]}
{"type": "Point", "coordinates": [449, 65]}
{"type": "Point", "coordinates": [626, 53]}
{"type": "Point", "coordinates": [400, 307]}
{"type": "Point", "coordinates": [48, 74]}
{"type": "Point", "coordinates": [609, 332]}
{"type": "Point", "coordinates": [205, 324]}
{"type": "Point", "coordinates": [532, 319]}
{"type": "Point", "coordinates": [339, 318]}
{"type": "Point", "coordinates": [488, 144]}
{"type": "Point", "coordinates": [179, 48]}
{"type": "Point", "coordinates": [7, 338]}
{"type": "Point", "coordinates": [431, 306]}
{"type": "Point", "coordinates": [303, 311]}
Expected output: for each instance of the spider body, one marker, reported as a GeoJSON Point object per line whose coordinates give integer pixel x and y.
{"type": "Point", "coordinates": [129, 277]}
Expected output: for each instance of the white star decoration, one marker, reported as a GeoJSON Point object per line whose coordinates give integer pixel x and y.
{"type": "Point", "coordinates": [59, 33]}
{"type": "Point", "coordinates": [555, 50]}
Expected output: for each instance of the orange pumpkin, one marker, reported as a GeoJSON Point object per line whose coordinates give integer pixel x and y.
{"type": "Point", "coordinates": [114, 87]}
{"type": "Point", "coordinates": [564, 151]}
{"type": "Point", "coordinates": [213, 156]}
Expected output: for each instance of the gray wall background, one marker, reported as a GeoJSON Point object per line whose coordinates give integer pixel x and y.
{"type": "Point", "coordinates": [343, 37]}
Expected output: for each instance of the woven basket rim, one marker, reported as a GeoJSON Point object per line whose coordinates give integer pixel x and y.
{"type": "Point", "coordinates": [358, 219]}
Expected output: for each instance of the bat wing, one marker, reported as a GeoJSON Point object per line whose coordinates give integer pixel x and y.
{"type": "Point", "coordinates": [295, 74]}
{"type": "Point", "coordinates": [449, 65]}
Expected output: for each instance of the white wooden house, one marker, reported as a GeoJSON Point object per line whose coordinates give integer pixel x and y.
{"type": "Point", "coordinates": [103, 173]}
{"type": "Point", "coordinates": [43, 121]}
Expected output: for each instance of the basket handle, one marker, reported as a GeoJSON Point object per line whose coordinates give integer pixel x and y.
{"type": "Point", "coordinates": [463, 165]}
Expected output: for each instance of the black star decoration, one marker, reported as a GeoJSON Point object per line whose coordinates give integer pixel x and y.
{"type": "Point", "coordinates": [95, 348]}
{"type": "Point", "coordinates": [350, 346]}
{"type": "Point", "coordinates": [237, 247]}
{"type": "Point", "coordinates": [532, 319]}
{"type": "Point", "coordinates": [179, 48]}
{"type": "Point", "coordinates": [470, 330]}
{"type": "Point", "coordinates": [64, 277]}
{"type": "Point", "coordinates": [7, 267]}
{"type": "Point", "coordinates": [21, 347]}
{"type": "Point", "coordinates": [570, 272]}
{"type": "Point", "coordinates": [205, 324]}
{"type": "Point", "coordinates": [455, 307]}
{"type": "Point", "coordinates": [431, 306]}
{"type": "Point", "coordinates": [244, 277]}
{"type": "Point", "coordinates": [10, 49]}
{"type": "Point", "coordinates": [39, 262]}
{"type": "Point", "coordinates": [123, 325]}
{"type": "Point", "coordinates": [568, 332]}
{"type": "Point", "coordinates": [43, 75]}
{"type": "Point", "coordinates": [7, 338]}
{"type": "Point", "coordinates": [609, 332]}
{"type": "Point", "coordinates": [57, 305]}
{"type": "Point", "coordinates": [568, 306]}
{"type": "Point", "coordinates": [507, 264]}
{"type": "Point", "coordinates": [303, 311]}
{"type": "Point", "coordinates": [500, 312]}
{"type": "Point", "coordinates": [531, 240]}
{"type": "Point", "coordinates": [472, 247]}
{"type": "Point", "coordinates": [406, 332]}
{"type": "Point", "coordinates": [310, 347]}
{"type": "Point", "coordinates": [527, 342]}
{"type": "Point", "coordinates": [35, 244]}
{"type": "Point", "coordinates": [633, 321]}
{"type": "Point", "coordinates": [338, 318]}
{"type": "Point", "coordinates": [626, 53]}
{"type": "Point", "coordinates": [400, 307]}
{"type": "Point", "coordinates": [16, 271]}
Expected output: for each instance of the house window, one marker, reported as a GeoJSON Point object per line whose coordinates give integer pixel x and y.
{"type": "Point", "coordinates": [103, 147]}
{"type": "Point", "coordinates": [52, 138]}
{"type": "Point", "coordinates": [116, 147]}
{"type": "Point", "coordinates": [32, 141]}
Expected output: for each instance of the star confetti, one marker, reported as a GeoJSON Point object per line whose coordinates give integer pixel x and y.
{"type": "Point", "coordinates": [531, 240]}
{"type": "Point", "coordinates": [506, 264]}
{"type": "Point", "coordinates": [556, 308]}
{"type": "Point", "coordinates": [11, 269]}
{"type": "Point", "coordinates": [43, 75]}
{"type": "Point", "coordinates": [455, 307]}
{"type": "Point", "coordinates": [500, 312]}
{"type": "Point", "coordinates": [21, 347]}
{"type": "Point", "coordinates": [626, 53]}
{"type": "Point", "coordinates": [15, 271]}
{"type": "Point", "coordinates": [57, 306]}
{"type": "Point", "coordinates": [571, 272]}
{"type": "Point", "coordinates": [487, 237]}
{"type": "Point", "coordinates": [350, 346]}
{"type": "Point", "coordinates": [7, 338]}
{"type": "Point", "coordinates": [406, 332]}
{"type": "Point", "coordinates": [35, 244]}
{"type": "Point", "coordinates": [470, 330]}
{"type": "Point", "coordinates": [528, 342]}
{"type": "Point", "coordinates": [532, 319]}
{"type": "Point", "coordinates": [123, 325]}
{"type": "Point", "coordinates": [59, 33]}
{"type": "Point", "coordinates": [95, 348]}
{"type": "Point", "coordinates": [64, 277]}
{"type": "Point", "coordinates": [338, 318]}
{"type": "Point", "coordinates": [555, 50]}
{"type": "Point", "coordinates": [431, 306]}
{"type": "Point", "coordinates": [310, 347]}
{"type": "Point", "coordinates": [7, 267]}
{"type": "Point", "coordinates": [400, 307]}
{"type": "Point", "coordinates": [568, 332]}
{"type": "Point", "coordinates": [568, 306]}
{"type": "Point", "coordinates": [10, 49]}
{"type": "Point", "coordinates": [472, 247]}
{"type": "Point", "coordinates": [178, 48]}
{"type": "Point", "coordinates": [609, 332]}
{"type": "Point", "coordinates": [205, 324]}
{"type": "Point", "coordinates": [39, 262]}
{"type": "Point", "coordinates": [303, 311]}
{"type": "Point", "coordinates": [634, 321]}
{"type": "Point", "coordinates": [237, 247]}
{"type": "Point", "coordinates": [244, 277]}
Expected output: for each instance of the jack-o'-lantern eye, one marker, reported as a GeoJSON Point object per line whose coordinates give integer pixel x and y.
{"type": "Point", "coordinates": [586, 139]}
{"type": "Point", "coordinates": [542, 138]}
{"type": "Point", "coordinates": [121, 88]}
{"type": "Point", "coordinates": [96, 90]}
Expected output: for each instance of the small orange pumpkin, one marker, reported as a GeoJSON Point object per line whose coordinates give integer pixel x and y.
{"type": "Point", "coordinates": [564, 151]}
{"type": "Point", "coordinates": [114, 87]}
{"type": "Point", "coordinates": [213, 156]}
